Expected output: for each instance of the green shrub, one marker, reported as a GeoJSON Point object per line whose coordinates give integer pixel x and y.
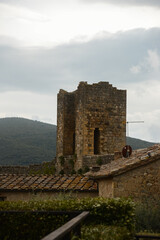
{"type": "Point", "coordinates": [148, 217]}
{"type": "Point", "coordinates": [119, 212]}
{"type": "Point", "coordinates": [99, 232]}
{"type": "Point", "coordinates": [73, 172]}
{"type": "Point", "coordinates": [99, 161]}
{"type": "Point", "coordinates": [75, 157]}
{"type": "Point", "coordinates": [71, 162]}
{"type": "Point", "coordinates": [61, 172]}
{"type": "Point", "coordinates": [80, 171]}
{"type": "Point", "coordinates": [62, 160]}
{"type": "Point", "coordinates": [47, 168]}
{"type": "Point", "coordinates": [29, 225]}
{"type": "Point", "coordinates": [85, 169]}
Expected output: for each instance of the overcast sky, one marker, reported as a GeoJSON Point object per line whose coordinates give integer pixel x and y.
{"type": "Point", "coordinates": [53, 44]}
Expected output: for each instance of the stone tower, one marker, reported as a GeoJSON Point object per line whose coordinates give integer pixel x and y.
{"type": "Point", "coordinates": [91, 121]}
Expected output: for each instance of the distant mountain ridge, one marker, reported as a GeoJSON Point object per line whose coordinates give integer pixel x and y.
{"type": "Point", "coordinates": [24, 141]}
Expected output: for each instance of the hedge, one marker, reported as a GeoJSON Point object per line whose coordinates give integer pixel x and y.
{"type": "Point", "coordinates": [119, 212]}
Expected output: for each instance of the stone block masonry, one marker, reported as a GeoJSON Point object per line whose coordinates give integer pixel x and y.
{"type": "Point", "coordinates": [91, 121]}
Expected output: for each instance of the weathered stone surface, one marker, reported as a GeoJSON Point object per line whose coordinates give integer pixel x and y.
{"type": "Point", "coordinates": [97, 160]}
{"type": "Point", "coordinates": [91, 121]}
{"type": "Point", "coordinates": [141, 187]}
{"type": "Point", "coordinates": [26, 169]}
{"type": "Point", "coordinates": [137, 177]}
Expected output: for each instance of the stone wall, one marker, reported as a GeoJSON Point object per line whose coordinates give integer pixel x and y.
{"type": "Point", "coordinates": [31, 169]}
{"type": "Point", "coordinates": [14, 169]}
{"type": "Point", "coordinates": [67, 164]}
{"type": "Point", "coordinates": [97, 160]}
{"type": "Point", "coordinates": [65, 123]}
{"type": "Point", "coordinates": [27, 195]}
{"type": "Point", "coordinates": [91, 121]}
{"type": "Point", "coordinates": [142, 183]}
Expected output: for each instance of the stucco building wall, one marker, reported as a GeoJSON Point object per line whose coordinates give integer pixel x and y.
{"type": "Point", "coordinates": [105, 187]}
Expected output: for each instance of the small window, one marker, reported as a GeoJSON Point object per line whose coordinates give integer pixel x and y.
{"type": "Point", "coordinates": [73, 143]}
{"type": "Point", "coordinates": [96, 141]}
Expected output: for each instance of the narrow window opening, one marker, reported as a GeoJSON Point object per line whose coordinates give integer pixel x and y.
{"type": "Point", "coordinates": [73, 143]}
{"type": "Point", "coordinates": [96, 141]}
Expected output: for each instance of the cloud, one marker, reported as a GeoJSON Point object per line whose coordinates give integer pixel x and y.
{"type": "Point", "coordinates": [28, 105]}
{"type": "Point", "coordinates": [20, 13]}
{"type": "Point", "coordinates": [154, 3]}
{"type": "Point", "coordinates": [29, 77]}
{"type": "Point", "coordinates": [150, 64]}
{"type": "Point", "coordinates": [154, 60]}
{"type": "Point", "coordinates": [113, 58]}
{"type": "Point", "coordinates": [135, 69]}
{"type": "Point", "coordinates": [143, 105]}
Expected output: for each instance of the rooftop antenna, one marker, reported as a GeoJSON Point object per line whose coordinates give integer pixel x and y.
{"type": "Point", "coordinates": [132, 122]}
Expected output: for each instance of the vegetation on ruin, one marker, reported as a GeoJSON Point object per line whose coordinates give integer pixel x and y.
{"type": "Point", "coordinates": [48, 168]}
{"type": "Point", "coordinates": [62, 160]}
{"type": "Point", "coordinates": [99, 161]}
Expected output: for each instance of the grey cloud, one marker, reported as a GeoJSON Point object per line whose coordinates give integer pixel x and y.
{"type": "Point", "coordinates": [154, 3]}
{"type": "Point", "coordinates": [106, 58]}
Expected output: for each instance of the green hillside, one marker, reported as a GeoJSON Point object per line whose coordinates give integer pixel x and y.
{"type": "Point", "coordinates": [24, 142]}
{"type": "Point", "coordinates": [137, 143]}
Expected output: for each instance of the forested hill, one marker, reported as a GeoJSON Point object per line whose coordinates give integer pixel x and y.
{"type": "Point", "coordinates": [138, 144]}
{"type": "Point", "coordinates": [24, 141]}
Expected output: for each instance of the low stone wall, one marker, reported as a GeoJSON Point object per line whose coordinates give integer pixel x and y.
{"type": "Point", "coordinates": [97, 160]}
{"type": "Point", "coordinates": [14, 169]}
{"type": "Point", "coordinates": [27, 195]}
{"type": "Point", "coordinates": [31, 169]}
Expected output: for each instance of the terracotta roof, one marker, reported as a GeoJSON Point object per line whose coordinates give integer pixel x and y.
{"type": "Point", "coordinates": [14, 182]}
{"type": "Point", "coordinates": [138, 158]}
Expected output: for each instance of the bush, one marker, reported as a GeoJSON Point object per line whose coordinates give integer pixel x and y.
{"type": "Point", "coordinates": [104, 232]}
{"type": "Point", "coordinates": [118, 212]}
{"type": "Point", "coordinates": [61, 172]}
{"type": "Point", "coordinates": [99, 161]}
{"type": "Point", "coordinates": [85, 169]}
{"type": "Point", "coordinates": [71, 162]}
{"type": "Point", "coordinates": [80, 171]}
{"type": "Point", "coordinates": [47, 168]}
{"type": "Point", "coordinates": [62, 160]}
{"type": "Point", "coordinates": [148, 217]}
{"type": "Point", "coordinates": [73, 172]}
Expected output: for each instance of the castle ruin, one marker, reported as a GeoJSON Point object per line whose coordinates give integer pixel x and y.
{"type": "Point", "coordinates": [91, 122]}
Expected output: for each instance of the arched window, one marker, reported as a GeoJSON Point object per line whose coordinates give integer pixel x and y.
{"type": "Point", "coordinates": [96, 141]}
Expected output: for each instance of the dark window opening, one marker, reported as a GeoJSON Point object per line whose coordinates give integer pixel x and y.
{"type": "Point", "coordinates": [73, 143]}
{"type": "Point", "coordinates": [96, 141]}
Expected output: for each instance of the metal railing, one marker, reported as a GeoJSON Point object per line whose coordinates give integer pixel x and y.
{"type": "Point", "coordinates": [71, 227]}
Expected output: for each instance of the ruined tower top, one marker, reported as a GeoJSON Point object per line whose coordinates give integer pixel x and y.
{"type": "Point", "coordinates": [91, 120]}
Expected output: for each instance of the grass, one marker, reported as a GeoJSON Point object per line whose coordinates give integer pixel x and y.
{"type": "Point", "coordinates": [103, 232]}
